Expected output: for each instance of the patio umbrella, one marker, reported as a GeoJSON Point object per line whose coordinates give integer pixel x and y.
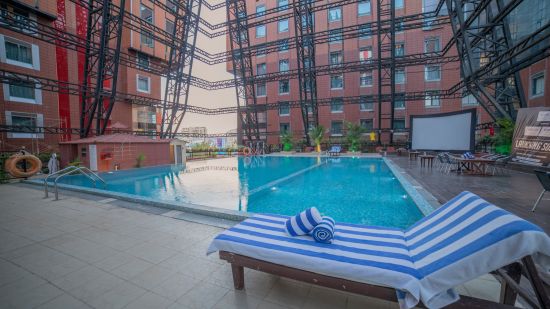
{"type": "Point", "coordinates": [53, 164]}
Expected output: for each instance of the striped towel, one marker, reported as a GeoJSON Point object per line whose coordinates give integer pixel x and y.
{"type": "Point", "coordinates": [324, 231]}
{"type": "Point", "coordinates": [304, 222]}
{"type": "Point", "coordinates": [460, 241]}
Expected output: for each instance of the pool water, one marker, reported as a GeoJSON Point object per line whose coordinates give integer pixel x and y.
{"type": "Point", "coordinates": [353, 190]}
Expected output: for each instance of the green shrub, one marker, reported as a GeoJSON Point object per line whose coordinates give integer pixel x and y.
{"type": "Point", "coordinates": [286, 140]}
{"type": "Point", "coordinates": [139, 160]}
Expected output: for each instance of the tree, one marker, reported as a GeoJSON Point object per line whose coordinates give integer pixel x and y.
{"type": "Point", "coordinates": [353, 135]}
{"type": "Point", "coordinates": [503, 139]}
{"type": "Point", "coordinates": [316, 134]}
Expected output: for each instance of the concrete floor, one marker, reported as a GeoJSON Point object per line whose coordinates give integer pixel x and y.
{"type": "Point", "coordinates": [90, 252]}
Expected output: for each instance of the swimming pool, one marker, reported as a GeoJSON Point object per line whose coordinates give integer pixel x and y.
{"type": "Point", "coordinates": [354, 190]}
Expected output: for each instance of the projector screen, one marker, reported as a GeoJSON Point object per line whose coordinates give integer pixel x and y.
{"type": "Point", "coordinates": [449, 131]}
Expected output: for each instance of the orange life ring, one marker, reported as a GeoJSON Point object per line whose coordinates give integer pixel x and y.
{"type": "Point", "coordinates": [246, 151]}
{"type": "Point", "coordinates": [34, 165]}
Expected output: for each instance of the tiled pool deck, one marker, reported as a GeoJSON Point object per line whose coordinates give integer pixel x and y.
{"type": "Point", "coordinates": [87, 251]}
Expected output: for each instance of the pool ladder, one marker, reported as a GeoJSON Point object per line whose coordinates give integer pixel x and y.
{"type": "Point", "coordinates": [71, 170]}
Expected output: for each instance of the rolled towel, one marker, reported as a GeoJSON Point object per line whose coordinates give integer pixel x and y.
{"type": "Point", "coordinates": [304, 222]}
{"type": "Point", "coordinates": [324, 231]}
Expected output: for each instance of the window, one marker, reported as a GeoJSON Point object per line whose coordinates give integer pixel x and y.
{"type": "Point", "coordinates": [400, 76]}
{"type": "Point", "coordinates": [399, 4]}
{"type": "Point", "coordinates": [365, 79]}
{"type": "Point", "coordinates": [261, 69]}
{"type": "Point", "coordinates": [304, 20]}
{"type": "Point", "coordinates": [260, 31]}
{"type": "Point", "coordinates": [283, 46]}
{"type": "Point", "coordinates": [171, 5]}
{"type": "Point", "coordinates": [283, 65]}
{"type": "Point", "coordinates": [335, 36]}
{"type": "Point", "coordinates": [83, 151]}
{"type": "Point", "coordinates": [469, 99]}
{"type": "Point", "coordinates": [431, 99]}
{"type": "Point", "coordinates": [335, 14]}
{"type": "Point", "coordinates": [399, 124]}
{"type": "Point", "coordinates": [431, 45]}
{"type": "Point", "coordinates": [336, 127]}
{"type": "Point", "coordinates": [19, 53]}
{"type": "Point", "coordinates": [336, 58]}
{"type": "Point", "coordinates": [365, 31]}
{"type": "Point", "coordinates": [367, 124]}
{"type": "Point", "coordinates": [261, 51]}
{"type": "Point", "coordinates": [283, 25]}
{"type": "Point", "coordinates": [146, 38]}
{"type": "Point", "coordinates": [146, 13]}
{"type": "Point", "coordinates": [399, 101]}
{"type": "Point", "coordinates": [432, 73]}
{"type": "Point", "coordinates": [399, 49]}
{"type": "Point", "coordinates": [260, 10]}
{"type": "Point", "coordinates": [284, 86]}
{"type": "Point", "coordinates": [282, 4]}
{"type": "Point", "coordinates": [261, 90]}
{"type": "Point", "coordinates": [23, 92]}
{"type": "Point", "coordinates": [365, 54]}
{"type": "Point", "coordinates": [363, 8]}
{"type": "Point", "coordinates": [537, 85]}
{"type": "Point", "coordinates": [284, 109]}
{"type": "Point", "coordinates": [366, 104]}
{"type": "Point", "coordinates": [430, 6]}
{"type": "Point", "coordinates": [337, 81]}
{"type": "Point", "coordinates": [336, 105]}
{"type": "Point", "coordinates": [284, 127]}
{"type": "Point", "coordinates": [399, 26]}
{"type": "Point", "coordinates": [143, 84]}
{"type": "Point", "coordinates": [169, 26]}
{"type": "Point", "coordinates": [22, 18]}
{"type": "Point", "coordinates": [142, 60]}
{"type": "Point", "coordinates": [28, 121]}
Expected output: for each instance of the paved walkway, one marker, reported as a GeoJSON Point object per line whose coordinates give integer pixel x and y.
{"type": "Point", "coordinates": [92, 252]}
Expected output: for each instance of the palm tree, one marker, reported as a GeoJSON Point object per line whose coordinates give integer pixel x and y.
{"type": "Point", "coordinates": [353, 135]}
{"type": "Point", "coordinates": [316, 134]}
{"type": "Point", "coordinates": [286, 140]}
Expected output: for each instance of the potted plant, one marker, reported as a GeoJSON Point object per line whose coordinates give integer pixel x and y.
{"type": "Point", "coordinates": [316, 134]}
{"type": "Point", "coordinates": [139, 160]}
{"type": "Point", "coordinates": [353, 136]}
{"type": "Point", "coordinates": [286, 140]}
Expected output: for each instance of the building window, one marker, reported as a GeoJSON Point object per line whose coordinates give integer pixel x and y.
{"type": "Point", "coordinates": [260, 31]}
{"type": "Point", "coordinates": [367, 124]}
{"type": "Point", "coordinates": [284, 86]}
{"type": "Point", "coordinates": [366, 104]}
{"type": "Point", "coordinates": [335, 14]}
{"type": "Point", "coordinates": [399, 124]}
{"type": "Point", "coordinates": [336, 127]}
{"type": "Point", "coordinates": [399, 101]}
{"type": "Point", "coordinates": [19, 53]}
{"type": "Point", "coordinates": [283, 46]}
{"type": "Point", "coordinates": [29, 123]}
{"type": "Point", "coordinates": [431, 99]}
{"type": "Point", "coordinates": [365, 31]}
{"type": "Point", "coordinates": [284, 127]}
{"type": "Point", "coordinates": [283, 65]}
{"type": "Point", "coordinates": [146, 13]}
{"type": "Point", "coordinates": [337, 105]}
{"type": "Point", "coordinates": [399, 49]}
{"type": "Point", "coordinates": [284, 108]}
{"type": "Point", "coordinates": [304, 20]}
{"type": "Point", "coordinates": [335, 36]}
{"type": "Point", "coordinates": [261, 69]}
{"type": "Point", "coordinates": [142, 60]}
{"type": "Point", "coordinates": [143, 84]}
{"type": "Point", "coordinates": [283, 25]}
{"type": "Point", "coordinates": [261, 51]}
{"type": "Point", "coordinates": [432, 73]}
{"type": "Point", "coordinates": [336, 58]}
{"type": "Point", "coordinates": [430, 6]}
{"type": "Point", "coordinates": [23, 92]}
{"type": "Point", "coordinates": [365, 54]}
{"type": "Point", "coordinates": [537, 85]}
{"type": "Point", "coordinates": [337, 81]}
{"type": "Point", "coordinates": [171, 5]}
{"type": "Point", "coordinates": [169, 26]}
{"type": "Point", "coordinates": [399, 4]}
{"type": "Point", "coordinates": [282, 4]}
{"type": "Point", "coordinates": [400, 76]}
{"type": "Point", "coordinates": [146, 38]}
{"type": "Point", "coordinates": [399, 26]}
{"type": "Point", "coordinates": [365, 79]}
{"type": "Point", "coordinates": [261, 90]}
{"type": "Point", "coordinates": [260, 10]}
{"type": "Point", "coordinates": [363, 8]}
{"type": "Point", "coordinates": [469, 99]}
{"type": "Point", "coordinates": [431, 45]}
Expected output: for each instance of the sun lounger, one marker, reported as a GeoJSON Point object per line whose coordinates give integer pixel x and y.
{"type": "Point", "coordinates": [460, 241]}
{"type": "Point", "coordinates": [335, 150]}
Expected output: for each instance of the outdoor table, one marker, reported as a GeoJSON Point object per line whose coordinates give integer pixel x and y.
{"type": "Point", "coordinates": [477, 166]}
{"type": "Point", "coordinates": [413, 154]}
{"type": "Point", "coordinates": [427, 160]}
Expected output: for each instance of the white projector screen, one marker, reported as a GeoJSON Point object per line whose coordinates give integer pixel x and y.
{"type": "Point", "coordinates": [449, 131]}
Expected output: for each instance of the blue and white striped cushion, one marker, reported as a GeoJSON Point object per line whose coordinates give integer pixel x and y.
{"type": "Point", "coordinates": [460, 241]}
{"type": "Point", "coordinates": [324, 231]}
{"type": "Point", "coordinates": [304, 222]}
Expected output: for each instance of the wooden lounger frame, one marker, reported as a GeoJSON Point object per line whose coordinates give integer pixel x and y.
{"type": "Point", "coordinates": [510, 276]}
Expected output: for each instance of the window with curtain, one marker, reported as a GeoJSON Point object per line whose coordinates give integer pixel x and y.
{"type": "Point", "coordinates": [335, 14]}
{"type": "Point", "coordinates": [22, 90]}
{"type": "Point", "coordinates": [18, 52]}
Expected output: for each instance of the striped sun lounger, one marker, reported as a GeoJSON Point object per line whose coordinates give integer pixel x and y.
{"type": "Point", "coordinates": [460, 241]}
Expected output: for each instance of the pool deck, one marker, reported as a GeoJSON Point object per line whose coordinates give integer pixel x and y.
{"type": "Point", "coordinates": [88, 251]}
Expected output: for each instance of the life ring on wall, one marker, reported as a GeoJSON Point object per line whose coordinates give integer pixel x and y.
{"type": "Point", "coordinates": [247, 151]}
{"type": "Point", "coordinates": [34, 165]}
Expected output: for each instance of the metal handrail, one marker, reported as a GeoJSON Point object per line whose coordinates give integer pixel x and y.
{"type": "Point", "coordinates": [54, 174]}
{"type": "Point", "coordinates": [69, 170]}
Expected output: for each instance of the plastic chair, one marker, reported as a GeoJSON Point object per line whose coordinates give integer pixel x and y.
{"type": "Point", "coordinates": [544, 178]}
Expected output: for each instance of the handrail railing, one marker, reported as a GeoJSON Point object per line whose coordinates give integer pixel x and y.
{"type": "Point", "coordinates": [70, 170]}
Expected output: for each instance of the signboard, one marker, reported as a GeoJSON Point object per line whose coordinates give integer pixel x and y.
{"type": "Point", "coordinates": [531, 142]}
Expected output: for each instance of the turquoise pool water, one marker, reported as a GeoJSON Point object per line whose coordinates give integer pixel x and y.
{"type": "Point", "coordinates": [354, 190]}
